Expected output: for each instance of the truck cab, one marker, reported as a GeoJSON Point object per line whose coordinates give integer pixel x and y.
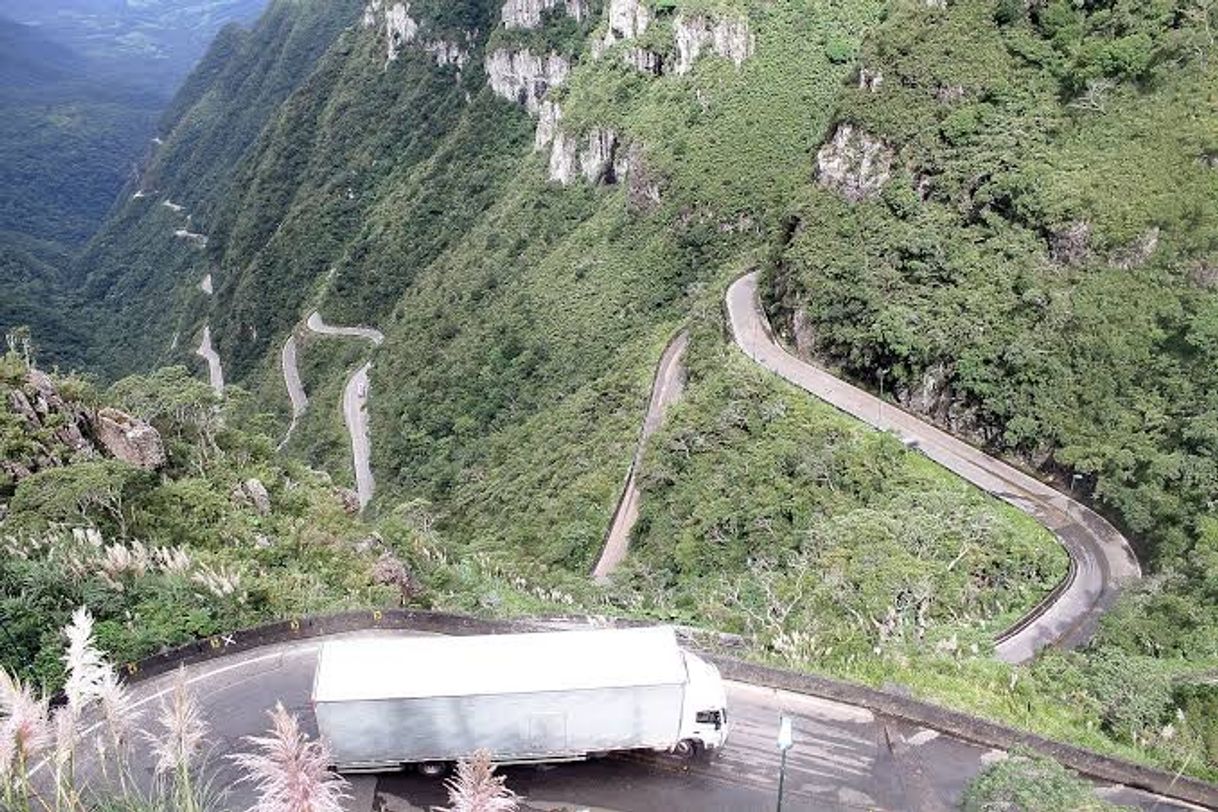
{"type": "Point", "coordinates": [704, 722]}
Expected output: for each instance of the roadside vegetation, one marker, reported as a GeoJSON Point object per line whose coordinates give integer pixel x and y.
{"type": "Point", "coordinates": [523, 320]}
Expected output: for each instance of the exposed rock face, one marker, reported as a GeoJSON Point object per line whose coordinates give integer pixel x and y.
{"type": "Point", "coordinates": [389, 570]}
{"type": "Point", "coordinates": [730, 37]}
{"type": "Point", "coordinates": [642, 186]}
{"type": "Point", "coordinates": [253, 493]}
{"type": "Point", "coordinates": [447, 53]}
{"type": "Point", "coordinates": [348, 500]}
{"type": "Point", "coordinates": [871, 80]}
{"type": "Point", "coordinates": [128, 439]}
{"type": "Point", "coordinates": [854, 163]}
{"type": "Point", "coordinates": [1137, 253]}
{"type": "Point", "coordinates": [370, 12]}
{"type": "Point", "coordinates": [523, 77]}
{"type": "Point", "coordinates": [628, 19]}
{"type": "Point", "coordinates": [1204, 275]}
{"type": "Point", "coordinates": [596, 159]}
{"type": "Point", "coordinates": [400, 28]}
{"type": "Point", "coordinates": [548, 118]}
{"type": "Point", "coordinates": [950, 94]}
{"type": "Point", "coordinates": [1070, 244]}
{"type": "Point", "coordinates": [563, 167]}
{"type": "Point", "coordinates": [644, 60]}
{"type": "Point", "coordinates": [527, 13]}
{"type": "Point", "coordinates": [58, 431]}
{"type": "Point", "coordinates": [804, 333]}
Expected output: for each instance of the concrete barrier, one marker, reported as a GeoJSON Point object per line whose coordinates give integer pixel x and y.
{"type": "Point", "coordinates": [887, 703]}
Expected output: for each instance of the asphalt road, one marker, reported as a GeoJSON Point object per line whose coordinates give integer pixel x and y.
{"type": "Point", "coordinates": [291, 379]}
{"type": "Point", "coordinates": [215, 373]}
{"type": "Point", "coordinates": [355, 413]}
{"type": "Point", "coordinates": [666, 389]}
{"type": "Point", "coordinates": [1103, 558]}
{"type": "Point", "coordinates": [355, 399]}
{"type": "Point", "coordinates": [845, 758]}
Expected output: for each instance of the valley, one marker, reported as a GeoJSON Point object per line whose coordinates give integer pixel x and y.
{"type": "Point", "coordinates": [876, 335]}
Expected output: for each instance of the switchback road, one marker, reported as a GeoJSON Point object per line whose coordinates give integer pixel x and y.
{"type": "Point", "coordinates": [1103, 559]}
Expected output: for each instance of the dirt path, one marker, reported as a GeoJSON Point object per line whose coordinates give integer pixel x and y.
{"type": "Point", "coordinates": [666, 389]}
{"type": "Point", "coordinates": [1102, 560]}
{"type": "Point", "coordinates": [215, 372]}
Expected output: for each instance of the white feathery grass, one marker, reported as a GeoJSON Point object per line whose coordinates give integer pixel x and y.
{"type": "Point", "coordinates": [86, 666]}
{"type": "Point", "coordinates": [476, 788]}
{"type": "Point", "coordinates": [182, 729]}
{"type": "Point", "coordinates": [25, 728]}
{"type": "Point", "coordinates": [289, 771]}
{"type": "Point", "coordinates": [118, 711]}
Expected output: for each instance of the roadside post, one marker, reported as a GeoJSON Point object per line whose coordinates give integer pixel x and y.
{"type": "Point", "coordinates": [786, 739]}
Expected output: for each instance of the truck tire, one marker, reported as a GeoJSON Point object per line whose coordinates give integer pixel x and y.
{"type": "Point", "coordinates": [433, 769]}
{"type": "Point", "coordinates": [687, 749]}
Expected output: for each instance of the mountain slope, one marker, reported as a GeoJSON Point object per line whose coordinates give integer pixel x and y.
{"type": "Point", "coordinates": [528, 202]}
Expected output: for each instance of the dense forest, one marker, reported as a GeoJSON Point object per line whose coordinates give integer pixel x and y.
{"type": "Point", "coordinates": [999, 212]}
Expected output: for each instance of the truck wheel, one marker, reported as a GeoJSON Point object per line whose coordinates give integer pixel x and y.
{"type": "Point", "coordinates": [687, 749]}
{"type": "Point", "coordinates": [433, 769]}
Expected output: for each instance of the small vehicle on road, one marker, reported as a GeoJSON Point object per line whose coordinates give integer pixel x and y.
{"type": "Point", "coordinates": [388, 702]}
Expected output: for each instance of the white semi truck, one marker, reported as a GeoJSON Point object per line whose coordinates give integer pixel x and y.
{"type": "Point", "coordinates": [386, 702]}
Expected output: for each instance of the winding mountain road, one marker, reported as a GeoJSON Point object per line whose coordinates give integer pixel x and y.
{"type": "Point", "coordinates": [215, 373]}
{"type": "Point", "coordinates": [355, 399]}
{"type": "Point", "coordinates": [666, 389]}
{"type": "Point", "coordinates": [291, 379]}
{"type": "Point", "coordinates": [845, 757]}
{"type": "Point", "coordinates": [1102, 560]}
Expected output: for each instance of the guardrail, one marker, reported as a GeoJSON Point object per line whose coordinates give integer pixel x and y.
{"type": "Point", "coordinates": [888, 703]}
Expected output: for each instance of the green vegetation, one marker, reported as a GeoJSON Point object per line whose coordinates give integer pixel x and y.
{"type": "Point", "coordinates": [1031, 784]}
{"type": "Point", "coordinates": [1037, 275]}
{"type": "Point", "coordinates": [523, 320]}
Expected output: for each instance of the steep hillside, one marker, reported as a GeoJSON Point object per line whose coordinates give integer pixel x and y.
{"type": "Point", "coordinates": [528, 200]}
{"type": "Point", "coordinates": [134, 270]}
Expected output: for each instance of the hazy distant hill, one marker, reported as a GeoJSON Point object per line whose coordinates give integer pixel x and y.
{"type": "Point", "coordinates": [82, 86]}
{"type": "Point", "coordinates": [155, 43]}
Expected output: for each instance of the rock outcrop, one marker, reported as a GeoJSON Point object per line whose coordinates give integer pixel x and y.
{"type": "Point", "coordinates": [854, 163]}
{"type": "Point", "coordinates": [871, 80]}
{"type": "Point", "coordinates": [549, 116]}
{"type": "Point", "coordinates": [563, 159]}
{"type": "Point", "coordinates": [1070, 244]}
{"type": "Point", "coordinates": [644, 60]}
{"type": "Point", "coordinates": [253, 493]}
{"type": "Point", "coordinates": [729, 37]}
{"type": "Point", "coordinates": [56, 431]}
{"type": "Point", "coordinates": [628, 19]}
{"type": "Point", "coordinates": [596, 159]}
{"type": "Point", "coordinates": [1137, 253]}
{"type": "Point", "coordinates": [527, 13]}
{"type": "Point", "coordinates": [129, 439]}
{"type": "Point", "coordinates": [524, 77]}
{"type": "Point", "coordinates": [402, 30]}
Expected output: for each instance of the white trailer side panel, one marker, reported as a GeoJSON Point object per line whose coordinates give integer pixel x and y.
{"type": "Point", "coordinates": [514, 726]}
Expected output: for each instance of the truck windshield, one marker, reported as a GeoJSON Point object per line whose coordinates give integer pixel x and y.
{"type": "Point", "coordinates": [710, 717]}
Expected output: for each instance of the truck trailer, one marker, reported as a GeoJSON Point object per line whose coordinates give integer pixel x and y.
{"type": "Point", "coordinates": [389, 702]}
